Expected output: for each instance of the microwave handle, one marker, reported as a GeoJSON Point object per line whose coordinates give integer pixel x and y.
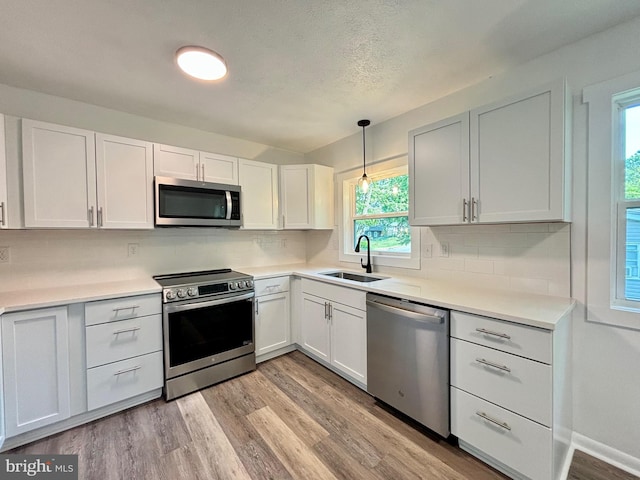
{"type": "Point", "coordinates": [229, 204]}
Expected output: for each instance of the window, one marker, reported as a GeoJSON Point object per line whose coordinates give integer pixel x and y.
{"type": "Point", "coordinates": [612, 228]}
{"type": "Point", "coordinates": [627, 175]}
{"type": "Point", "coordinates": [382, 214]}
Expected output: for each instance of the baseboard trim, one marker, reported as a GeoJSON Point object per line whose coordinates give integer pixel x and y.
{"type": "Point", "coordinates": [603, 452]}
{"type": "Point", "coordinates": [566, 466]}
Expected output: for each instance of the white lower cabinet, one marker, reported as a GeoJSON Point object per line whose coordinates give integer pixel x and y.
{"type": "Point", "coordinates": [510, 394]}
{"type": "Point", "coordinates": [123, 348]}
{"type": "Point", "coordinates": [334, 327]}
{"type": "Point", "coordinates": [273, 325]}
{"type": "Point", "coordinates": [35, 357]}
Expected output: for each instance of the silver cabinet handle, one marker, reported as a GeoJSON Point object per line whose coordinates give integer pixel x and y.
{"type": "Point", "coordinates": [203, 177]}
{"type": "Point", "coordinates": [495, 334]}
{"type": "Point", "coordinates": [474, 209]}
{"type": "Point", "coordinates": [2, 219]}
{"type": "Point", "coordinates": [494, 365]}
{"type": "Point", "coordinates": [131, 307]}
{"type": "Point", "coordinates": [197, 171]}
{"type": "Point", "coordinates": [100, 217]}
{"type": "Point", "coordinates": [504, 425]}
{"type": "Point", "coordinates": [126, 330]}
{"type": "Point", "coordinates": [90, 216]}
{"type": "Point", "coordinates": [465, 207]}
{"type": "Point", "coordinates": [326, 310]}
{"type": "Point", "coordinates": [330, 312]}
{"type": "Point", "coordinates": [257, 303]}
{"type": "Point", "coordinates": [127, 370]}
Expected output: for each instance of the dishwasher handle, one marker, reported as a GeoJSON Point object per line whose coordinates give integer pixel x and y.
{"type": "Point", "coordinates": [418, 317]}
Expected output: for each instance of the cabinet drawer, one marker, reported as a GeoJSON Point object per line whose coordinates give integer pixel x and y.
{"type": "Point", "coordinates": [510, 337]}
{"type": "Point", "coordinates": [515, 383]}
{"type": "Point", "coordinates": [520, 444]}
{"type": "Point", "coordinates": [267, 286]}
{"type": "Point", "coordinates": [113, 341]}
{"type": "Point", "coordinates": [346, 296]}
{"type": "Point", "coordinates": [115, 309]}
{"type": "Point", "coordinates": [125, 379]}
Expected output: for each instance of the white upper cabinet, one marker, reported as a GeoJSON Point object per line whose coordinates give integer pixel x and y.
{"type": "Point", "coordinates": [124, 169]}
{"type": "Point", "coordinates": [306, 196]}
{"type": "Point", "coordinates": [59, 176]}
{"type": "Point", "coordinates": [219, 168]}
{"type": "Point", "coordinates": [70, 181]}
{"type": "Point", "coordinates": [504, 162]}
{"type": "Point", "coordinates": [3, 178]}
{"type": "Point", "coordinates": [259, 196]}
{"type": "Point", "coordinates": [189, 164]}
{"type": "Point", "coordinates": [439, 172]}
{"type": "Point", "coordinates": [176, 162]}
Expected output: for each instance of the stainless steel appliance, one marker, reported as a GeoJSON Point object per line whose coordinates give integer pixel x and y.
{"type": "Point", "coordinates": [408, 359]}
{"type": "Point", "coordinates": [188, 203]}
{"type": "Point", "coordinates": [208, 327]}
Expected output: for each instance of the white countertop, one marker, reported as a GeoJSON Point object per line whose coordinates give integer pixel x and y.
{"type": "Point", "coordinates": [11, 301]}
{"type": "Point", "coordinates": [535, 310]}
{"type": "Point", "coordinates": [541, 311]}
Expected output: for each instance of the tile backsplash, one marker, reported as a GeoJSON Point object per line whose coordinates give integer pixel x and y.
{"type": "Point", "coordinates": [533, 258]}
{"type": "Point", "coordinates": [42, 258]}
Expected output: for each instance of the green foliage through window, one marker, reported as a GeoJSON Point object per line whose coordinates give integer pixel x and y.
{"type": "Point", "coordinates": [382, 214]}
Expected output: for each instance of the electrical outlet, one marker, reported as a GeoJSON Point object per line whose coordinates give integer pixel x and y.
{"type": "Point", "coordinates": [427, 250]}
{"type": "Point", "coordinates": [444, 249]}
{"type": "Point", "coordinates": [5, 255]}
{"type": "Point", "coordinates": [133, 249]}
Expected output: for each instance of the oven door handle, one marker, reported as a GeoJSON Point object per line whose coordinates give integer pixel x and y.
{"type": "Point", "coordinates": [209, 303]}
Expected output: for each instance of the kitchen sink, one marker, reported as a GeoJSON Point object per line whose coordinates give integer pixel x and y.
{"type": "Point", "coordinates": [356, 277]}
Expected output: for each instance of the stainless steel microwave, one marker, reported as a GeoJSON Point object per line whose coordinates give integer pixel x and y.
{"type": "Point", "coordinates": [188, 203]}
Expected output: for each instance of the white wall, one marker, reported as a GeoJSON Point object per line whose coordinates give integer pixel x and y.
{"type": "Point", "coordinates": [606, 358]}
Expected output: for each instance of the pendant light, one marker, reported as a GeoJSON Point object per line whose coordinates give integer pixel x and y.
{"type": "Point", "coordinates": [364, 181]}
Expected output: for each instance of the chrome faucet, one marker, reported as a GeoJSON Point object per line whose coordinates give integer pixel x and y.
{"type": "Point", "coordinates": [357, 250]}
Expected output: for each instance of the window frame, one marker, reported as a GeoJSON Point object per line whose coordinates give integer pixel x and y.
{"type": "Point", "coordinates": [347, 181]}
{"type": "Point", "coordinates": [605, 181]}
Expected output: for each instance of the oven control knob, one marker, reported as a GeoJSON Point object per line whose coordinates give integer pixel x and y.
{"type": "Point", "coordinates": [182, 293]}
{"type": "Point", "coordinates": [192, 292]}
{"type": "Point", "coordinates": [233, 285]}
{"type": "Point", "coordinates": [171, 294]}
{"type": "Point", "coordinates": [249, 283]}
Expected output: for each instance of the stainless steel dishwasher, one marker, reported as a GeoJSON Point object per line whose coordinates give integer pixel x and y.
{"type": "Point", "coordinates": [408, 359]}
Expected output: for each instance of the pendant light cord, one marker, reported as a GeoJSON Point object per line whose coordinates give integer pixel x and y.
{"type": "Point", "coordinates": [364, 153]}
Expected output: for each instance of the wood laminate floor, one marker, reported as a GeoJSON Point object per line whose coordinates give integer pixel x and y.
{"type": "Point", "coordinates": [290, 419]}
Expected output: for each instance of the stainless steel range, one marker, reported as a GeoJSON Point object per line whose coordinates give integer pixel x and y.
{"type": "Point", "coordinates": [208, 327]}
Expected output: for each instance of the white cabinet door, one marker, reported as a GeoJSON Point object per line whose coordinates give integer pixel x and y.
{"type": "Point", "coordinates": [169, 161]}
{"type": "Point", "coordinates": [3, 177]}
{"type": "Point", "coordinates": [259, 197]}
{"type": "Point", "coordinates": [59, 178]}
{"type": "Point", "coordinates": [218, 168]}
{"type": "Point", "coordinates": [349, 341]}
{"type": "Point", "coordinates": [306, 193]}
{"type": "Point", "coordinates": [273, 329]}
{"type": "Point", "coordinates": [125, 182]}
{"type": "Point", "coordinates": [439, 172]}
{"type": "Point", "coordinates": [315, 328]}
{"type": "Point", "coordinates": [35, 353]}
{"type": "Point", "coordinates": [296, 202]}
{"type": "Point", "coordinates": [517, 158]}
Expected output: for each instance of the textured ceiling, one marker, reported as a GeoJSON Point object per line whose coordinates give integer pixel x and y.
{"type": "Point", "coordinates": [301, 73]}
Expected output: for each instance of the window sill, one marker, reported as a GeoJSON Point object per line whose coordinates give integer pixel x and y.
{"type": "Point", "coordinates": [383, 260]}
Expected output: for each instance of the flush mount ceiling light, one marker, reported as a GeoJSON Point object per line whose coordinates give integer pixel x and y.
{"type": "Point", "coordinates": [201, 63]}
{"type": "Point", "coordinates": [364, 181]}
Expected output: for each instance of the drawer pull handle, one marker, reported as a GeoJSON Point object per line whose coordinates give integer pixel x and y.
{"type": "Point", "coordinates": [127, 370]}
{"type": "Point", "coordinates": [132, 307]}
{"type": "Point", "coordinates": [495, 334]}
{"type": "Point", "coordinates": [494, 365]}
{"type": "Point", "coordinates": [504, 425]}
{"type": "Point", "coordinates": [126, 330]}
